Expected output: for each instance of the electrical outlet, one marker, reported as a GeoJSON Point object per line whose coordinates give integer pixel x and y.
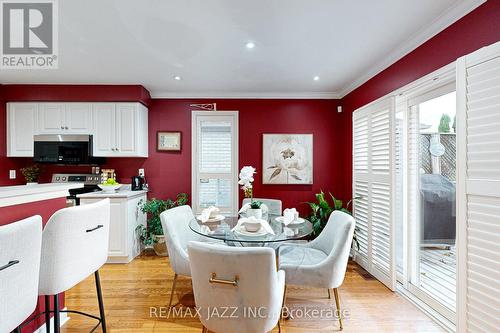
{"type": "Point", "coordinates": [141, 172]}
{"type": "Point", "coordinates": [12, 174]}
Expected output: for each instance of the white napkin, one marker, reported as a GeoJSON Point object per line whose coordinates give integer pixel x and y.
{"type": "Point", "coordinates": [244, 208]}
{"type": "Point", "coordinates": [262, 222]}
{"type": "Point", "coordinates": [289, 215]}
{"type": "Point", "coordinates": [205, 214]}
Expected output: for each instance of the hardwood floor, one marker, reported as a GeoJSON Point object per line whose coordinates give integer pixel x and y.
{"type": "Point", "coordinates": [130, 290]}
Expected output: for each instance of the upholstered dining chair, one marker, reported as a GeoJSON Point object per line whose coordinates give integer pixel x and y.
{"type": "Point", "coordinates": [175, 224]}
{"type": "Point", "coordinates": [321, 263]}
{"type": "Point", "coordinates": [274, 205]}
{"type": "Point", "coordinates": [74, 245]}
{"type": "Point", "coordinates": [244, 280]}
{"type": "Point", "coordinates": [20, 246]}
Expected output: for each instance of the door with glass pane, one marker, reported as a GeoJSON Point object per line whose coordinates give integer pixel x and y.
{"type": "Point", "coordinates": [215, 160]}
{"type": "Point", "coordinates": [432, 199]}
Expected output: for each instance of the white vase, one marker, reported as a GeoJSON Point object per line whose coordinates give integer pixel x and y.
{"type": "Point", "coordinates": [255, 212]}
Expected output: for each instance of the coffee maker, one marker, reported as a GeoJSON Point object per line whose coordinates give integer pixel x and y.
{"type": "Point", "coordinates": [137, 183]}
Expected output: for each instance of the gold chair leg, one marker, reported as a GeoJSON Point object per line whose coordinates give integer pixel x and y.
{"type": "Point", "coordinates": [337, 302]}
{"type": "Point", "coordinates": [172, 292]}
{"type": "Point", "coordinates": [279, 327]}
{"type": "Point", "coordinates": [329, 294]}
{"type": "Point", "coordinates": [204, 330]}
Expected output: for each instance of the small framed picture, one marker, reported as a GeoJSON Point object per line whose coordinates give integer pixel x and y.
{"type": "Point", "coordinates": [168, 141]}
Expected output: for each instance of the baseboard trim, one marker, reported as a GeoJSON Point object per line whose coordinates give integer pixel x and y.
{"type": "Point", "coordinates": [63, 317]}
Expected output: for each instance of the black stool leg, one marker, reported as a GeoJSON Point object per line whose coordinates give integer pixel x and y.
{"type": "Point", "coordinates": [47, 313]}
{"type": "Point", "coordinates": [17, 330]}
{"type": "Point", "coordinates": [57, 327]}
{"type": "Point", "coordinates": [99, 298]}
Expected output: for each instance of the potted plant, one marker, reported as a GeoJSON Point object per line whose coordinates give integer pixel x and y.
{"type": "Point", "coordinates": [246, 180]}
{"type": "Point", "coordinates": [31, 174]}
{"type": "Point", "coordinates": [321, 210]}
{"type": "Point", "coordinates": [151, 234]}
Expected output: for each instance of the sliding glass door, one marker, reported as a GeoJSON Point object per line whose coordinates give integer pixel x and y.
{"type": "Point", "coordinates": [425, 169]}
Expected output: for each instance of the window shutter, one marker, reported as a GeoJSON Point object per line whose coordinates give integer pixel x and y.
{"type": "Point", "coordinates": [478, 119]}
{"type": "Point", "coordinates": [372, 158]}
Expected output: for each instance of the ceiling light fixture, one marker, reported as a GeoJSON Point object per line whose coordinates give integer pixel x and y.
{"type": "Point", "coordinates": [250, 45]}
{"type": "Point", "coordinates": [177, 78]}
{"type": "Point", "coordinates": [316, 78]}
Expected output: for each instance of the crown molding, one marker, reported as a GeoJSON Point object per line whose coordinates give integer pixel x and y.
{"type": "Point", "coordinates": [244, 95]}
{"type": "Point", "coordinates": [452, 15]}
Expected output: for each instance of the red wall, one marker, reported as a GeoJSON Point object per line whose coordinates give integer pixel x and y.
{"type": "Point", "coordinates": [479, 28]}
{"type": "Point", "coordinates": [170, 173]}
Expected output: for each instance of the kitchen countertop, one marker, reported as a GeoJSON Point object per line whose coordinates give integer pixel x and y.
{"type": "Point", "coordinates": [127, 193]}
{"type": "Point", "coordinates": [14, 195]}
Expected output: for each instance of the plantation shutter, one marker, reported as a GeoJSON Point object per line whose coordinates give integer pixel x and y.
{"type": "Point", "coordinates": [373, 136]}
{"type": "Point", "coordinates": [478, 120]}
{"type": "Point", "coordinates": [215, 169]}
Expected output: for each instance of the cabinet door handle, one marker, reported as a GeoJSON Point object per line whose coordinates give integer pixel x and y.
{"type": "Point", "coordinates": [62, 127]}
{"type": "Point", "coordinates": [66, 127]}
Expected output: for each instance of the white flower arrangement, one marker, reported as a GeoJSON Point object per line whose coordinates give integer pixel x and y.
{"type": "Point", "coordinates": [246, 180]}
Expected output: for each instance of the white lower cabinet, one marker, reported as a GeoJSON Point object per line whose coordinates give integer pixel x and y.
{"type": "Point", "coordinates": [124, 243]}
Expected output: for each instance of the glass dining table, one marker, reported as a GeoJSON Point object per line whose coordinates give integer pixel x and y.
{"type": "Point", "coordinates": [225, 230]}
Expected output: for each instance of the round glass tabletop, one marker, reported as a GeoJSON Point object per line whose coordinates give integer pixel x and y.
{"type": "Point", "coordinates": [225, 230]}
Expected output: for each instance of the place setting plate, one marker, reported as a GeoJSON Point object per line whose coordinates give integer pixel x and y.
{"type": "Point", "coordinates": [299, 220]}
{"type": "Point", "coordinates": [218, 218]}
{"type": "Point", "coordinates": [243, 232]}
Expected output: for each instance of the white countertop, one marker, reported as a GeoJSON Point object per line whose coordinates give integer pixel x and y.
{"type": "Point", "coordinates": [14, 195]}
{"type": "Point", "coordinates": [127, 193]}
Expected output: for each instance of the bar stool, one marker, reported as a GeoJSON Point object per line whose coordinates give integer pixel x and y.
{"type": "Point", "coordinates": [20, 245]}
{"type": "Point", "coordinates": [74, 245]}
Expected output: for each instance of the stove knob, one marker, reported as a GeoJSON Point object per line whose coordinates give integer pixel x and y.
{"type": "Point", "coordinates": [63, 179]}
{"type": "Point", "coordinates": [57, 178]}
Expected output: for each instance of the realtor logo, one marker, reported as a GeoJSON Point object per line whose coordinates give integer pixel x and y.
{"type": "Point", "coordinates": [29, 34]}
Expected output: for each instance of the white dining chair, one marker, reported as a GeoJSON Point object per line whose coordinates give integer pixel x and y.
{"type": "Point", "coordinates": [175, 224]}
{"type": "Point", "coordinates": [74, 246]}
{"type": "Point", "coordinates": [274, 205]}
{"type": "Point", "coordinates": [242, 279]}
{"type": "Point", "coordinates": [321, 263]}
{"type": "Point", "coordinates": [20, 248]}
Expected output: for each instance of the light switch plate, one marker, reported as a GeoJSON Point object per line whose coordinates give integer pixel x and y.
{"type": "Point", "coordinates": [141, 172]}
{"type": "Point", "coordinates": [12, 174]}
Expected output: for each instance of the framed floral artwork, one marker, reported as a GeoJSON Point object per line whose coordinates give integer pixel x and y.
{"type": "Point", "coordinates": [168, 141]}
{"type": "Point", "coordinates": [287, 159]}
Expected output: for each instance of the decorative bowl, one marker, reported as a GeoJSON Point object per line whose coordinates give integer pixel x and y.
{"type": "Point", "coordinates": [109, 188]}
{"type": "Point", "coordinates": [252, 225]}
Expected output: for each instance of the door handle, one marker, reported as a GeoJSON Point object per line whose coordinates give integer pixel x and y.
{"type": "Point", "coordinates": [10, 263]}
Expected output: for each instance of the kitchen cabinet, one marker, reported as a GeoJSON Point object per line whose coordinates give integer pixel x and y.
{"type": "Point", "coordinates": [125, 215]}
{"type": "Point", "coordinates": [121, 130]}
{"type": "Point", "coordinates": [21, 127]}
{"type": "Point", "coordinates": [64, 118]}
{"type": "Point", "coordinates": [118, 129]}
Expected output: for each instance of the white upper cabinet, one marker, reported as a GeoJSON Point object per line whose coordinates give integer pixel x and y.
{"type": "Point", "coordinates": [64, 118]}
{"type": "Point", "coordinates": [21, 124]}
{"type": "Point", "coordinates": [121, 130]}
{"type": "Point", "coordinates": [118, 129]}
{"type": "Point", "coordinates": [78, 118]}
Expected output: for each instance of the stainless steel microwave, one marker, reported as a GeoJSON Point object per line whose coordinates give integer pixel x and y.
{"type": "Point", "coordinates": [65, 149]}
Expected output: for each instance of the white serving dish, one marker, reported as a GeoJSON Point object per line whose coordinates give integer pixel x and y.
{"type": "Point", "coordinates": [252, 226]}
{"type": "Point", "coordinates": [242, 231]}
{"type": "Point", "coordinates": [109, 188]}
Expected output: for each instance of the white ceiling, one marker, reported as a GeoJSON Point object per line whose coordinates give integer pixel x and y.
{"type": "Point", "coordinates": [149, 42]}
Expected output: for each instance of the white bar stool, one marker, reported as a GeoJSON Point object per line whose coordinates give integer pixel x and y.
{"type": "Point", "coordinates": [74, 245]}
{"type": "Point", "coordinates": [20, 245]}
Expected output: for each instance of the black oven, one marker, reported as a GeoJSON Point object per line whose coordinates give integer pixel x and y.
{"type": "Point", "coordinates": [65, 149]}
